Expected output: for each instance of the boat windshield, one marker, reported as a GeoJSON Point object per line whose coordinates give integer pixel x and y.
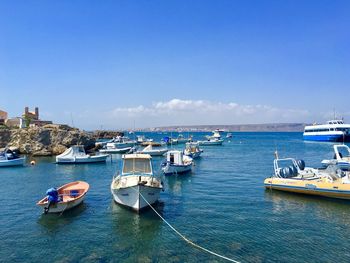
{"type": "Point", "coordinates": [343, 152]}
{"type": "Point", "coordinates": [137, 166]}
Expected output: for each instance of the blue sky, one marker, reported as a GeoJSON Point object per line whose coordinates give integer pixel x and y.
{"type": "Point", "coordinates": [113, 63]}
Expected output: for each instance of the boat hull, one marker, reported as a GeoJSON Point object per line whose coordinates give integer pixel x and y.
{"type": "Point", "coordinates": [209, 143]}
{"type": "Point", "coordinates": [71, 195]}
{"type": "Point", "coordinates": [63, 206]}
{"type": "Point", "coordinates": [119, 145]}
{"type": "Point", "coordinates": [193, 155]}
{"type": "Point", "coordinates": [77, 160]}
{"type": "Point", "coordinates": [327, 138]}
{"type": "Point", "coordinates": [155, 152]}
{"type": "Point", "coordinates": [171, 169]}
{"type": "Point", "coordinates": [318, 187]}
{"type": "Point", "coordinates": [13, 162]}
{"type": "Point", "coordinates": [132, 196]}
{"type": "Point", "coordinates": [118, 150]}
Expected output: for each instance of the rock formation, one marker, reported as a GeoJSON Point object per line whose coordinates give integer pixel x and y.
{"type": "Point", "coordinates": [100, 134]}
{"type": "Point", "coordinates": [50, 139]}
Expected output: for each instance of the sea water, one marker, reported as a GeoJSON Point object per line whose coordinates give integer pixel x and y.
{"type": "Point", "coordinates": [222, 206]}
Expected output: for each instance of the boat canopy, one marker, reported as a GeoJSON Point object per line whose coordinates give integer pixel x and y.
{"type": "Point", "coordinates": [137, 163]}
{"type": "Point", "coordinates": [174, 157]}
{"type": "Point", "coordinates": [75, 150]}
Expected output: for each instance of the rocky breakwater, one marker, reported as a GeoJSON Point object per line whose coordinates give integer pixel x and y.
{"type": "Point", "coordinates": [47, 140]}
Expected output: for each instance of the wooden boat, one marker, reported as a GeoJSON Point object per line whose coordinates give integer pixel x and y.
{"type": "Point", "coordinates": [136, 187]}
{"type": "Point", "coordinates": [292, 176]}
{"type": "Point", "coordinates": [341, 157]}
{"type": "Point", "coordinates": [64, 198]}
{"type": "Point", "coordinates": [9, 158]}
{"type": "Point", "coordinates": [76, 154]}
{"type": "Point", "coordinates": [177, 163]}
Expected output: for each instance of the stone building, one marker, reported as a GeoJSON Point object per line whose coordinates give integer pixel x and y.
{"type": "Point", "coordinates": [3, 116]}
{"type": "Point", "coordinates": [33, 115]}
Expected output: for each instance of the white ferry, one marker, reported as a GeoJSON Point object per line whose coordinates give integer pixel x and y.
{"type": "Point", "coordinates": [333, 131]}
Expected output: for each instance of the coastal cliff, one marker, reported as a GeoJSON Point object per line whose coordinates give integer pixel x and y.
{"type": "Point", "coordinates": [47, 140]}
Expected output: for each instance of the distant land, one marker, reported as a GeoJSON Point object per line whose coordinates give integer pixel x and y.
{"type": "Point", "coordinates": [267, 127]}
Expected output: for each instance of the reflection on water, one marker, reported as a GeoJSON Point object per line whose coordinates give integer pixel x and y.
{"type": "Point", "coordinates": [326, 209]}
{"type": "Point", "coordinates": [141, 229]}
{"type": "Point", "coordinates": [53, 222]}
{"type": "Point", "coordinates": [177, 183]}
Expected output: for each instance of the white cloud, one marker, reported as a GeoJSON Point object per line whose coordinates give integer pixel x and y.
{"type": "Point", "coordinates": [187, 112]}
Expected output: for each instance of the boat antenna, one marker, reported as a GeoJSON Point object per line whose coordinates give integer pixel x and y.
{"type": "Point", "coordinates": [276, 151]}
{"type": "Point", "coordinates": [71, 117]}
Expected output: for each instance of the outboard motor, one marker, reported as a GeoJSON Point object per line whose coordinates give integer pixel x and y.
{"type": "Point", "coordinates": [301, 164]}
{"type": "Point", "coordinates": [52, 197]}
{"type": "Point", "coordinates": [287, 172]}
{"type": "Point", "coordinates": [166, 139]}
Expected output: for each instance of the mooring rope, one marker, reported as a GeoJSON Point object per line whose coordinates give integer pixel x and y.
{"type": "Point", "coordinates": [185, 238]}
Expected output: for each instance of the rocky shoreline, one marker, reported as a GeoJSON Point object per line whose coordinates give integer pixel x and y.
{"type": "Point", "coordinates": [49, 140]}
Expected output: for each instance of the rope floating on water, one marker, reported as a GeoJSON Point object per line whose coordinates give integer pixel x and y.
{"type": "Point", "coordinates": [186, 239]}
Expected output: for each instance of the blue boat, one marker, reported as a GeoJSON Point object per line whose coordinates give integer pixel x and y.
{"type": "Point", "coordinates": [333, 131]}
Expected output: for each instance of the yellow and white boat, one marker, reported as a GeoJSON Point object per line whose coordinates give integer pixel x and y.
{"type": "Point", "coordinates": [292, 176]}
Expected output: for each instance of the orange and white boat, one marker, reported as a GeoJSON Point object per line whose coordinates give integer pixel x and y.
{"type": "Point", "coordinates": [65, 197]}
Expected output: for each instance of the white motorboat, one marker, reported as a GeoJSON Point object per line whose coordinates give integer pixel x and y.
{"type": "Point", "coordinates": [121, 142]}
{"type": "Point", "coordinates": [211, 141]}
{"type": "Point", "coordinates": [136, 187]}
{"type": "Point", "coordinates": [229, 135]}
{"type": "Point", "coordinates": [341, 157]}
{"type": "Point", "coordinates": [10, 158]}
{"type": "Point", "coordinates": [192, 150]}
{"type": "Point", "coordinates": [214, 139]}
{"type": "Point", "coordinates": [154, 151]}
{"type": "Point", "coordinates": [177, 163]}
{"type": "Point", "coordinates": [76, 154]}
{"type": "Point", "coordinates": [115, 150]}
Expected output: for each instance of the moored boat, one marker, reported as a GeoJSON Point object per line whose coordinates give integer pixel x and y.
{"type": "Point", "coordinates": [292, 176]}
{"type": "Point", "coordinates": [341, 157]}
{"type": "Point", "coordinates": [64, 198]}
{"type": "Point", "coordinates": [115, 150]}
{"type": "Point", "coordinates": [214, 139]}
{"type": "Point", "coordinates": [153, 151]}
{"type": "Point", "coordinates": [121, 142]}
{"type": "Point", "coordinates": [192, 150]}
{"type": "Point", "coordinates": [177, 163]}
{"type": "Point", "coordinates": [76, 154]}
{"type": "Point", "coordinates": [136, 187]}
{"type": "Point", "coordinates": [10, 158]}
{"type": "Point", "coordinates": [333, 131]}
{"type": "Point", "coordinates": [211, 141]}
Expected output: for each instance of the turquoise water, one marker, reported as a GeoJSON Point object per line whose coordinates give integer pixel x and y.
{"type": "Point", "coordinates": [222, 206]}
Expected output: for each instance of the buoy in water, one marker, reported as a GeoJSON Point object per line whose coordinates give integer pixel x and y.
{"type": "Point", "coordinates": [32, 162]}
